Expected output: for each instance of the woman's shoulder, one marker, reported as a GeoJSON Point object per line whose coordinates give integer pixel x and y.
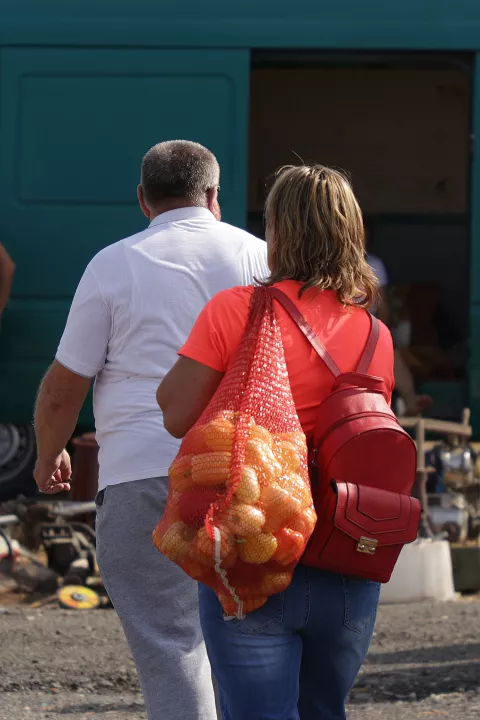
{"type": "Point", "coordinates": [238, 297]}
{"type": "Point", "coordinates": [230, 305]}
{"type": "Point", "coordinates": [239, 292]}
{"type": "Point", "coordinates": [365, 318]}
{"type": "Point", "coordinates": [385, 336]}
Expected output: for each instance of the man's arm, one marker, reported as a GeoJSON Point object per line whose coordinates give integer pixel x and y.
{"type": "Point", "coordinates": [60, 399]}
{"type": "Point", "coordinates": [80, 357]}
{"type": "Point", "coordinates": [7, 271]}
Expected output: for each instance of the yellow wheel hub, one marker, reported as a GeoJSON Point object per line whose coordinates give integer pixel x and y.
{"type": "Point", "coordinates": [77, 597]}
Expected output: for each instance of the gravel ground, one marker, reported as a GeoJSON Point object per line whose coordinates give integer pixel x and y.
{"type": "Point", "coordinates": [424, 663]}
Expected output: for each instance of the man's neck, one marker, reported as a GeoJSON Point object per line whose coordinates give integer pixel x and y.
{"type": "Point", "coordinates": [167, 208]}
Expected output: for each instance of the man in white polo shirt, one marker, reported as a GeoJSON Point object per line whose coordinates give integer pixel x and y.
{"type": "Point", "coordinates": [134, 307]}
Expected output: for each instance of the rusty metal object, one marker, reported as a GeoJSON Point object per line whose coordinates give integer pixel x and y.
{"type": "Point", "coordinates": [85, 468]}
{"type": "Point", "coordinates": [37, 579]}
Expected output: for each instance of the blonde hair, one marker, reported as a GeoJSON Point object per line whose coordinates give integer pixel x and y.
{"type": "Point", "coordinates": [319, 239]}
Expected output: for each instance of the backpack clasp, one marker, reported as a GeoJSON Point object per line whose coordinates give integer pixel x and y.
{"type": "Point", "coordinates": [367, 546]}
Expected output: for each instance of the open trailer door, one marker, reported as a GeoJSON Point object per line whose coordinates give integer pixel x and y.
{"type": "Point", "coordinates": [74, 125]}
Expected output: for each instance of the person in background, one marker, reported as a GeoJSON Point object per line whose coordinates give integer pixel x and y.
{"type": "Point", "coordinates": [299, 654]}
{"type": "Point", "coordinates": [404, 383]}
{"type": "Point", "coordinates": [7, 271]}
{"type": "Point", "coordinates": [134, 307]}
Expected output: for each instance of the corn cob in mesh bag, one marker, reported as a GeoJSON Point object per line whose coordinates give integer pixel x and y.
{"type": "Point", "coordinates": [240, 512]}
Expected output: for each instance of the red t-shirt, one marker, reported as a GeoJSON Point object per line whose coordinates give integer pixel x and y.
{"type": "Point", "coordinates": [344, 331]}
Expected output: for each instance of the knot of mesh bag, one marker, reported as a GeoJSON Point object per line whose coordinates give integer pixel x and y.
{"type": "Point", "coordinates": [240, 512]}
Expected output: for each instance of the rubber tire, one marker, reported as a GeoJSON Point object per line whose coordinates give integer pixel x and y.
{"type": "Point", "coordinates": [16, 476]}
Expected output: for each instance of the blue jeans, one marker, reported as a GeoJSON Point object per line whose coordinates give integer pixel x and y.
{"type": "Point", "coordinates": [298, 655]}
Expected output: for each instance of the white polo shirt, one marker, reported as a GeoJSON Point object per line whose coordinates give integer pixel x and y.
{"type": "Point", "coordinates": [134, 308]}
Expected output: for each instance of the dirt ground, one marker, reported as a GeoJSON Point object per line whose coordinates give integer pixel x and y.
{"type": "Point", "coordinates": [424, 663]}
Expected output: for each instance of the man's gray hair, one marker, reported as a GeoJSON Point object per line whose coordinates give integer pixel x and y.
{"type": "Point", "coordinates": [179, 169]}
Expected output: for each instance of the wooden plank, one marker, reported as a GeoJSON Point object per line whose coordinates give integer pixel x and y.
{"type": "Point", "coordinates": [443, 427]}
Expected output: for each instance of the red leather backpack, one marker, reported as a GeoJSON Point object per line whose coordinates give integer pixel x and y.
{"type": "Point", "coordinates": [362, 467]}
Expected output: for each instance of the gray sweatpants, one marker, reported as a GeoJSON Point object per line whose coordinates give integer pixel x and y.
{"type": "Point", "coordinates": [156, 602]}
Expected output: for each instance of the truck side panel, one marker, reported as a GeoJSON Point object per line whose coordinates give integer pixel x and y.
{"type": "Point", "coordinates": [74, 124]}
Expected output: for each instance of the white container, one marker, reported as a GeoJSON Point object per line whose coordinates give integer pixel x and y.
{"type": "Point", "coordinates": [423, 571]}
{"type": "Point", "coordinates": [5, 565]}
{"type": "Point", "coordinates": [4, 551]}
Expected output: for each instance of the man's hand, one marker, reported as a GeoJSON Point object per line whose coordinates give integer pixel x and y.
{"type": "Point", "coordinates": [54, 477]}
{"type": "Point", "coordinates": [59, 401]}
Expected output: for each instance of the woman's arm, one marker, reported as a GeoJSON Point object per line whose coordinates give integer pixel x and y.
{"type": "Point", "coordinates": [184, 394]}
{"type": "Point", "coordinates": [190, 385]}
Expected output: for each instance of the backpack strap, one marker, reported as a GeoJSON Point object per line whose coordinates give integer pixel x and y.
{"type": "Point", "coordinates": [367, 355]}
{"type": "Point", "coordinates": [317, 344]}
{"type": "Point", "coordinates": [312, 338]}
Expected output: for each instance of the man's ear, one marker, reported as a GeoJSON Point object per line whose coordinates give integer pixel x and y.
{"type": "Point", "coordinates": [141, 201]}
{"type": "Point", "coordinates": [213, 204]}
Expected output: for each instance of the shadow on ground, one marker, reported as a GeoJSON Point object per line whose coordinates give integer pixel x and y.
{"type": "Point", "coordinates": [417, 674]}
{"type": "Point", "coordinates": [99, 709]}
{"type": "Point", "coordinates": [436, 654]}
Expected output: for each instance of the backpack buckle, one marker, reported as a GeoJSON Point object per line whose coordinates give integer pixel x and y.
{"type": "Point", "coordinates": [367, 546]}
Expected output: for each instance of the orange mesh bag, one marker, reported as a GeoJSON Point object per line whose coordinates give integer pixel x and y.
{"type": "Point", "coordinates": [239, 512]}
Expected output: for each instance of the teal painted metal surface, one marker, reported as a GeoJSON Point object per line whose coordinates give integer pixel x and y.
{"type": "Point", "coordinates": [86, 87]}
{"type": "Point", "coordinates": [347, 24]}
{"type": "Point", "coordinates": [74, 124]}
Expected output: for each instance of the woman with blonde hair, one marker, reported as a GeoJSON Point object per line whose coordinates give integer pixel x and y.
{"type": "Point", "coordinates": [299, 654]}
